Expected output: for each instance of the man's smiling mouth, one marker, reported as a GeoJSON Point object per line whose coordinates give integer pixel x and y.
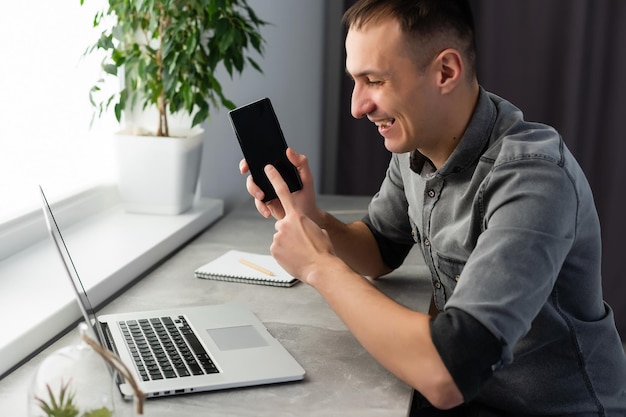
{"type": "Point", "coordinates": [384, 123]}
{"type": "Point", "coordinates": [384, 126]}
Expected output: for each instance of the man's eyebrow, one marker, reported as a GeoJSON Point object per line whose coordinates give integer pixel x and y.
{"type": "Point", "coordinates": [365, 73]}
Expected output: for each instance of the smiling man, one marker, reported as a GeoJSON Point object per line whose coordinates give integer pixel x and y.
{"type": "Point", "coordinates": [503, 215]}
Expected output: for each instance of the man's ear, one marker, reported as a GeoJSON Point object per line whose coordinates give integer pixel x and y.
{"type": "Point", "coordinates": [451, 67]}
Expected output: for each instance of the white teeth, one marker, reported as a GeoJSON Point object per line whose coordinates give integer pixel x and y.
{"type": "Point", "coordinates": [384, 123]}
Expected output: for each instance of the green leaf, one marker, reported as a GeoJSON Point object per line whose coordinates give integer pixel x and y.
{"type": "Point", "coordinates": [238, 61]}
{"type": "Point", "coordinates": [61, 406]}
{"type": "Point", "coordinates": [227, 40]}
{"type": "Point", "coordinates": [192, 43]}
{"type": "Point", "coordinates": [100, 412]}
{"type": "Point", "coordinates": [229, 67]}
{"type": "Point", "coordinates": [228, 104]}
{"type": "Point", "coordinates": [188, 96]}
{"type": "Point", "coordinates": [110, 69]}
{"type": "Point", "coordinates": [105, 42]}
{"type": "Point", "coordinates": [118, 112]}
{"type": "Point", "coordinates": [255, 65]}
{"type": "Point", "coordinates": [118, 32]}
{"type": "Point", "coordinates": [256, 41]}
{"type": "Point", "coordinates": [252, 14]}
{"type": "Point", "coordinates": [200, 116]}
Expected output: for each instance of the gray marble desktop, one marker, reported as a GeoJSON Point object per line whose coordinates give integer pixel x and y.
{"type": "Point", "coordinates": [342, 378]}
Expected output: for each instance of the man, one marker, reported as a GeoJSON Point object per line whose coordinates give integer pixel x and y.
{"type": "Point", "coordinates": [501, 210]}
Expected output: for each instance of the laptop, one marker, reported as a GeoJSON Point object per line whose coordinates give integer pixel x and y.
{"type": "Point", "coordinates": [184, 350]}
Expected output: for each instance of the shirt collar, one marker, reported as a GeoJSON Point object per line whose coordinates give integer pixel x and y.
{"type": "Point", "coordinates": [471, 146]}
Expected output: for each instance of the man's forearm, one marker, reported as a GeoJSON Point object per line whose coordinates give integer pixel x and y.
{"type": "Point", "coordinates": [397, 337]}
{"type": "Point", "coordinates": [355, 245]}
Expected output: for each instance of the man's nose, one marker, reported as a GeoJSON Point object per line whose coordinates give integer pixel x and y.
{"type": "Point", "coordinates": [361, 103]}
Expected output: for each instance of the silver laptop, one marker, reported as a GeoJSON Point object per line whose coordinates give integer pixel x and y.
{"type": "Point", "coordinates": [184, 350]}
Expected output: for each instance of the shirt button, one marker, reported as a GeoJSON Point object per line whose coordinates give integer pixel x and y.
{"type": "Point", "coordinates": [457, 277]}
{"type": "Point", "coordinates": [431, 193]}
{"type": "Point", "coordinates": [426, 242]}
{"type": "Point", "coordinates": [437, 284]}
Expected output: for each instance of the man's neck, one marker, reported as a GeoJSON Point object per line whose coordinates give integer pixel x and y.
{"type": "Point", "coordinates": [462, 106]}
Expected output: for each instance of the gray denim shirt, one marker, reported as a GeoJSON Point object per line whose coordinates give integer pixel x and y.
{"type": "Point", "coordinates": [510, 233]}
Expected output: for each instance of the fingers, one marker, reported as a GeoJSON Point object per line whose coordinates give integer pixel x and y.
{"type": "Point", "coordinates": [251, 186]}
{"type": "Point", "coordinates": [276, 209]}
{"type": "Point", "coordinates": [300, 162]}
{"type": "Point", "coordinates": [243, 166]}
{"type": "Point", "coordinates": [281, 188]}
{"type": "Point", "coordinates": [254, 189]}
{"type": "Point", "coordinates": [272, 208]}
{"type": "Point", "coordinates": [262, 208]}
{"type": "Point", "coordinates": [294, 157]}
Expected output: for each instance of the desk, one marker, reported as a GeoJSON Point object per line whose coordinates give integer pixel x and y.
{"type": "Point", "coordinates": [342, 378]}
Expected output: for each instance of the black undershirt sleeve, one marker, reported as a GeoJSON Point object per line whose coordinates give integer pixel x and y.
{"type": "Point", "coordinates": [468, 349]}
{"type": "Point", "coordinates": [392, 253]}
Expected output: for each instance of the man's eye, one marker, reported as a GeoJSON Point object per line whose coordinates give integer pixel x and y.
{"type": "Point", "coordinates": [374, 82]}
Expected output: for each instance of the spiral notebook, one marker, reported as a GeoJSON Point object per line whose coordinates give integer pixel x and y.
{"type": "Point", "coordinates": [246, 267]}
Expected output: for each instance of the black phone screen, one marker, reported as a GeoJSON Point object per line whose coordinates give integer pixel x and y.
{"type": "Point", "coordinates": [262, 142]}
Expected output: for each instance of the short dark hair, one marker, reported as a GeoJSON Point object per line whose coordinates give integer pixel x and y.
{"type": "Point", "coordinates": [434, 24]}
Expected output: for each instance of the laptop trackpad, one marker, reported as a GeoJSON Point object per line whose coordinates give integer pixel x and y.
{"type": "Point", "coordinates": [240, 337]}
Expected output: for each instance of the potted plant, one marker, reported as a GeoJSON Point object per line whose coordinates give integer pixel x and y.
{"type": "Point", "coordinates": [164, 54]}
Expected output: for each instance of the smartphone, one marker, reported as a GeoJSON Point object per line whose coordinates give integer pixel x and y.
{"type": "Point", "coordinates": [262, 142]}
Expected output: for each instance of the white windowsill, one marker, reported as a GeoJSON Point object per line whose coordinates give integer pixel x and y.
{"type": "Point", "coordinates": [110, 248]}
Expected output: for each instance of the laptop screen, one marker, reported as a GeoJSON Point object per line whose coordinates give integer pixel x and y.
{"type": "Point", "coordinates": [83, 302]}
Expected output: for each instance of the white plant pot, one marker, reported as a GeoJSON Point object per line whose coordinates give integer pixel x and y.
{"type": "Point", "coordinates": [158, 175]}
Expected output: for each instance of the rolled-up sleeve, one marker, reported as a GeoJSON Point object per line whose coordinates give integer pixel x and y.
{"type": "Point", "coordinates": [387, 217]}
{"type": "Point", "coordinates": [529, 224]}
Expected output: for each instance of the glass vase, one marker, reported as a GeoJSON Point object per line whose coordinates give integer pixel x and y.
{"type": "Point", "coordinates": [72, 382]}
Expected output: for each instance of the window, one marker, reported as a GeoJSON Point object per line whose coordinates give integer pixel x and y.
{"type": "Point", "coordinates": [46, 138]}
{"type": "Point", "coordinates": [45, 114]}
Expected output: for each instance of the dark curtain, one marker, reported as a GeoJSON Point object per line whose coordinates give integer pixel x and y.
{"type": "Point", "coordinates": [563, 62]}
{"type": "Point", "coordinates": [362, 159]}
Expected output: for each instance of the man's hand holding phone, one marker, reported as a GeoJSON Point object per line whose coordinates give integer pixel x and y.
{"type": "Point", "coordinates": [262, 142]}
{"type": "Point", "coordinates": [303, 200]}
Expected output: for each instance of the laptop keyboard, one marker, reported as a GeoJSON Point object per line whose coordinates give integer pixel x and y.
{"type": "Point", "coordinates": [166, 347]}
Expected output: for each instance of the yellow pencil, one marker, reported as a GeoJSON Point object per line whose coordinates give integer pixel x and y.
{"type": "Point", "coordinates": [257, 267]}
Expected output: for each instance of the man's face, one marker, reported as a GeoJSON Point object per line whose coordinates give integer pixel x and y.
{"type": "Point", "coordinates": [389, 88]}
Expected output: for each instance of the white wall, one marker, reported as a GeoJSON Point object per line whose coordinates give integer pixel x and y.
{"type": "Point", "coordinates": [292, 78]}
